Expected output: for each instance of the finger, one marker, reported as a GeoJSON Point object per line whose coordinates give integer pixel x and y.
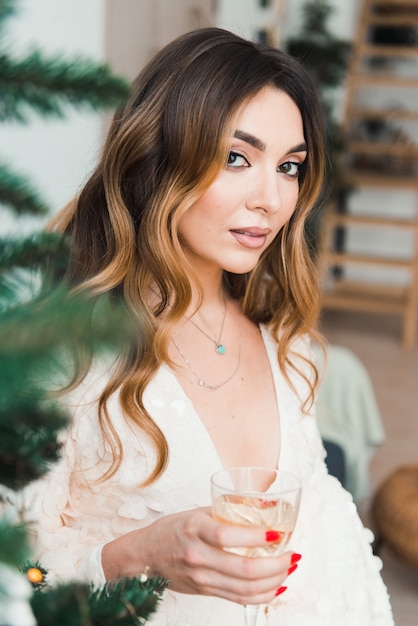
{"type": "Point", "coordinates": [256, 591]}
{"type": "Point", "coordinates": [228, 535]}
{"type": "Point", "coordinates": [204, 556]}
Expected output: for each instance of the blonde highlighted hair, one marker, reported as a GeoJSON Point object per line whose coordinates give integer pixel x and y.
{"type": "Point", "coordinates": [163, 150]}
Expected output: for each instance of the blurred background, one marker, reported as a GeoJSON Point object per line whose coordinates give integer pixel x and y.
{"type": "Point", "coordinates": [363, 55]}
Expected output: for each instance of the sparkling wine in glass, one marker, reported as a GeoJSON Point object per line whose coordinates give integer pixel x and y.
{"type": "Point", "coordinates": [259, 497]}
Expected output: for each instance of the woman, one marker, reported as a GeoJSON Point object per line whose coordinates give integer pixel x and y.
{"type": "Point", "coordinates": [195, 218]}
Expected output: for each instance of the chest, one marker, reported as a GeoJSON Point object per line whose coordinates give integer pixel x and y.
{"type": "Point", "coordinates": [241, 416]}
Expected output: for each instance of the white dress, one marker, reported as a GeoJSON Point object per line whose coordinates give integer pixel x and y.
{"type": "Point", "coordinates": [337, 581]}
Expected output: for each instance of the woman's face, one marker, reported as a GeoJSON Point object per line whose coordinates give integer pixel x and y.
{"type": "Point", "coordinates": [255, 194]}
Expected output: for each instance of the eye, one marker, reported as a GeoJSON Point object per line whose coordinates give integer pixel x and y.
{"type": "Point", "coordinates": [236, 160]}
{"type": "Point", "coordinates": [290, 168]}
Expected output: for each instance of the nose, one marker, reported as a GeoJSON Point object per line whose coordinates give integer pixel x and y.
{"type": "Point", "coordinates": [266, 195]}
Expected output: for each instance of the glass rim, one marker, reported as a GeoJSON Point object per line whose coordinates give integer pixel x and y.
{"type": "Point", "coordinates": [242, 468]}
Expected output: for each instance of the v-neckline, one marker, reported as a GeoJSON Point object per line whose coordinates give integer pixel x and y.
{"type": "Point", "coordinates": [279, 389]}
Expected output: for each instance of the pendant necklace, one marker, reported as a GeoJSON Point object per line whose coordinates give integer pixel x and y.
{"type": "Point", "coordinates": [200, 380]}
{"type": "Point", "coordinates": [219, 347]}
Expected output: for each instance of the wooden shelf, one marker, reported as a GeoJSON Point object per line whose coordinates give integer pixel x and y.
{"type": "Point", "coordinates": [382, 114]}
{"type": "Point", "coordinates": [362, 302]}
{"type": "Point", "coordinates": [344, 259]}
{"type": "Point", "coordinates": [392, 293]}
{"type": "Point", "coordinates": [406, 151]}
{"type": "Point", "coordinates": [370, 221]}
{"type": "Point", "coordinates": [390, 164]}
{"type": "Point", "coordinates": [391, 80]}
{"type": "Point", "coordinates": [380, 50]}
{"type": "Point", "coordinates": [395, 20]}
{"type": "Point", "coordinates": [389, 296]}
{"type": "Point", "coordinates": [381, 180]}
{"type": "Point", "coordinates": [362, 296]}
{"type": "Point", "coordinates": [397, 5]}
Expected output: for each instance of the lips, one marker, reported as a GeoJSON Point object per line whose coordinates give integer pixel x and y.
{"type": "Point", "coordinates": [252, 237]}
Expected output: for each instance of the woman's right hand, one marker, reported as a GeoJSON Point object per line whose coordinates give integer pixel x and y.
{"type": "Point", "coordinates": [188, 549]}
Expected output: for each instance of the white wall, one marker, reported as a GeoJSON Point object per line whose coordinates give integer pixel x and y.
{"type": "Point", "coordinates": [242, 17]}
{"type": "Point", "coordinates": [56, 154]}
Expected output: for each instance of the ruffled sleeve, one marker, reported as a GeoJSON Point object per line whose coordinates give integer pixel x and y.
{"type": "Point", "coordinates": [72, 511]}
{"type": "Point", "coordinates": [65, 540]}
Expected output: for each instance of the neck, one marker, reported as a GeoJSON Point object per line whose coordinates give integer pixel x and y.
{"type": "Point", "coordinates": [205, 303]}
{"type": "Point", "coordinates": [211, 303]}
{"type": "Point", "coordinates": [210, 282]}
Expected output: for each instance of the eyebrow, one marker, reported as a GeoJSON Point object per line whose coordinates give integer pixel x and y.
{"type": "Point", "coordinates": [260, 145]}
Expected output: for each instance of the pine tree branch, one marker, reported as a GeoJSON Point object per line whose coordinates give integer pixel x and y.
{"type": "Point", "coordinates": [17, 193]}
{"type": "Point", "coordinates": [22, 262]}
{"type": "Point", "coordinates": [45, 85]}
{"type": "Point", "coordinates": [66, 605]}
{"type": "Point", "coordinates": [57, 319]}
{"type": "Point", "coordinates": [14, 543]}
{"type": "Point", "coordinates": [37, 250]}
{"type": "Point", "coordinates": [126, 602]}
{"type": "Point", "coordinates": [29, 431]}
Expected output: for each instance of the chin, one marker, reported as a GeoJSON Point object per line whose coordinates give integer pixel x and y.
{"type": "Point", "coordinates": [240, 268]}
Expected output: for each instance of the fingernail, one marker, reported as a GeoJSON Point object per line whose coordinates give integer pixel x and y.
{"type": "Point", "coordinates": [295, 558]}
{"type": "Point", "coordinates": [291, 569]}
{"type": "Point", "coordinates": [280, 590]}
{"type": "Point", "coordinates": [272, 535]}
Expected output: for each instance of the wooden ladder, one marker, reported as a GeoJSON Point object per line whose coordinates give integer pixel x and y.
{"type": "Point", "coordinates": [381, 155]}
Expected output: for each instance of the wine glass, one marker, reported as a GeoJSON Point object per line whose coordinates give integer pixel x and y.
{"type": "Point", "coordinates": [261, 497]}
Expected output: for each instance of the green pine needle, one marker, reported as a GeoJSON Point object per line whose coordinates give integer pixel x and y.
{"type": "Point", "coordinates": [37, 250]}
{"type": "Point", "coordinates": [40, 327]}
{"type": "Point", "coordinates": [46, 85]}
{"type": "Point", "coordinates": [64, 605]}
{"type": "Point", "coordinates": [14, 544]}
{"type": "Point", "coordinates": [17, 193]}
{"type": "Point", "coordinates": [127, 602]}
{"type": "Point", "coordinates": [29, 434]}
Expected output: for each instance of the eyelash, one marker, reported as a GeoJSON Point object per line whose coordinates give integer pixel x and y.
{"type": "Point", "coordinates": [292, 164]}
{"type": "Point", "coordinates": [235, 156]}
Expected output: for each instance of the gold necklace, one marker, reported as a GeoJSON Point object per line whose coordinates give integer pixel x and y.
{"type": "Point", "coordinates": [200, 380]}
{"type": "Point", "coordinates": [219, 347]}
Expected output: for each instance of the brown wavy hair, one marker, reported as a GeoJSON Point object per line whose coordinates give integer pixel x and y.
{"type": "Point", "coordinates": [163, 150]}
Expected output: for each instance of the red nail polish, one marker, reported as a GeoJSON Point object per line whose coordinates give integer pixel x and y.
{"type": "Point", "coordinates": [295, 558]}
{"type": "Point", "coordinates": [291, 569]}
{"type": "Point", "coordinates": [280, 590]}
{"type": "Point", "coordinates": [272, 535]}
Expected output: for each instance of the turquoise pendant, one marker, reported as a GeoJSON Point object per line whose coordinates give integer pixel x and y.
{"type": "Point", "coordinates": [220, 349]}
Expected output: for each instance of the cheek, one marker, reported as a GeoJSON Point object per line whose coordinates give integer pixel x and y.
{"type": "Point", "coordinates": [197, 220]}
{"type": "Point", "coordinates": [289, 205]}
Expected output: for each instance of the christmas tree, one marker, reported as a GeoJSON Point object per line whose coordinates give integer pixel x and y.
{"type": "Point", "coordinates": [38, 320]}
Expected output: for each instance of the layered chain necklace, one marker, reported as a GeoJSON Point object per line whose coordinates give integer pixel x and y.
{"type": "Point", "coordinates": [200, 381]}
{"type": "Point", "coordinates": [219, 347]}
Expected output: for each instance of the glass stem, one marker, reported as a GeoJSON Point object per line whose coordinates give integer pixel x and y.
{"type": "Point", "coordinates": [251, 612]}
